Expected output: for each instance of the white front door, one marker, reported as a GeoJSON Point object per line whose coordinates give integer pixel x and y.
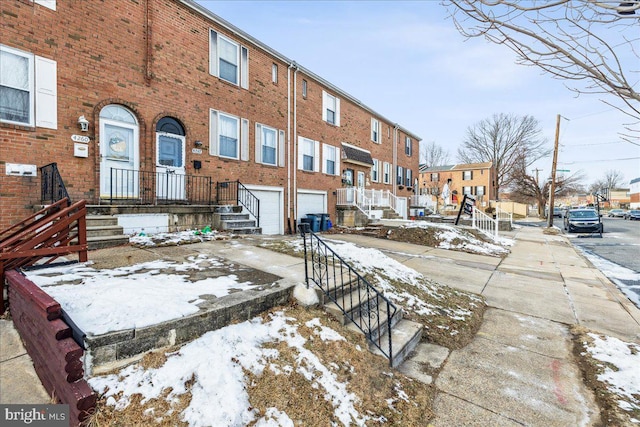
{"type": "Point", "coordinates": [170, 158]}
{"type": "Point", "coordinates": [118, 159]}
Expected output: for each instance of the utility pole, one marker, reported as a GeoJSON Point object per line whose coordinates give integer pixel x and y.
{"type": "Point", "coordinates": [536, 171]}
{"type": "Point", "coordinates": [553, 174]}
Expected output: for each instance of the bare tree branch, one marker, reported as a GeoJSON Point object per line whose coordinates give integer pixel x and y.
{"type": "Point", "coordinates": [589, 41]}
{"type": "Point", "coordinates": [432, 154]}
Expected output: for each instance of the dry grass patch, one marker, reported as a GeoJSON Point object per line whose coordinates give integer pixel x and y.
{"type": "Point", "coordinates": [609, 402]}
{"type": "Point", "coordinates": [387, 396]}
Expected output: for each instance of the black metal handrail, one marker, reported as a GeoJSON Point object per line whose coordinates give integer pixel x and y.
{"type": "Point", "coordinates": [236, 193]}
{"type": "Point", "coordinates": [358, 300]}
{"type": "Point", "coordinates": [52, 187]}
{"type": "Point", "coordinates": [152, 188]}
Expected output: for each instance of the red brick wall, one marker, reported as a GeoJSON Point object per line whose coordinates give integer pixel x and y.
{"type": "Point", "coordinates": [100, 48]}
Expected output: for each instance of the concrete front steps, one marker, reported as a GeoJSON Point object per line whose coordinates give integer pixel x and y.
{"type": "Point", "coordinates": [405, 334]}
{"type": "Point", "coordinates": [103, 231]}
{"type": "Point", "coordinates": [238, 223]}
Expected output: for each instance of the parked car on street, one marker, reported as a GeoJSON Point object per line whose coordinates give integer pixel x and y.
{"type": "Point", "coordinates": [616, 213]}
{"type": "Point", "coordinates": [583, 221]}
{"type": "Point", "coordinates": [633, 214]}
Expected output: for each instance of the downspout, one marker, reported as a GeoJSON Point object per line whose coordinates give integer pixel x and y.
{"type": "Point", "coordinates": [148, 74]}
{"type": "Point", "coordinates": [295, 143]}
{"type": "Point", "coordinates": [395, 159]}
{"type": "Point", "coordinates": [289, 149]}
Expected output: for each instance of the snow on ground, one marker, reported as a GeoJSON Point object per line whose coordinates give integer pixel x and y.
{"type": "Point", "coordinates": [216, 362]}
{"type": "Point", "coordinates": [101, 301]}
{"type": "Point", "coordinates": [177, 238]}
{"type": "Point", "coordinates": [451, 237]}
{"type": "Point", "coordinates": [385, 269]}
{"type": "Point", "coordinates": [621, 369]}
{"type": "Point", "coordinates": [617, 274]}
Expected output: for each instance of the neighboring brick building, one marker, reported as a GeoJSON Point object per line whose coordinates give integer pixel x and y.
{"type": "Point", "coordinates": [476, 179]}
{"type": "Point", "coordinates": [166, 86]}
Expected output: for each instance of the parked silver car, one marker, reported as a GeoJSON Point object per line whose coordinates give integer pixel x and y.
{"type": "Point", "coordinates": [616, 213]}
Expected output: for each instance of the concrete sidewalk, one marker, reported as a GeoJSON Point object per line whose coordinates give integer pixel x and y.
{"type": "Point", "coordinates": [519, 369]}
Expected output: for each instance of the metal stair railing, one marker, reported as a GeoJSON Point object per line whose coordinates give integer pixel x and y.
{"type": "Point", "coordinates": [52, 188]}
{"type": "Point", "coordinates": [236, 192]}
{"type": "Point", "coordinates": [502, 215]}
{"type": "Point", "coordinates": [356, 298]}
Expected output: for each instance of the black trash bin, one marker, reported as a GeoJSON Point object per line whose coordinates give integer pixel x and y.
{"type": "Point", "coordinates": [315, 222]}
{"type": "Point", "coordinates": [305, 224]}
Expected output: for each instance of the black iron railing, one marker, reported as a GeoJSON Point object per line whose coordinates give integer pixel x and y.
{"type": "Point", "coordinates": [52, 187]}
{"type": "Point", "coordinates": [151, 188]}
{"type": "Point", "coordinates": [357, 299]}
{"type": "Point", "coordinates": [234, 192]}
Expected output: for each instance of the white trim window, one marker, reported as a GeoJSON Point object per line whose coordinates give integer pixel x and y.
{"type": "Point", "coordinates": [375, 130]}
{"type": "Point", "coordinates": [228, 60]}
{"type": "Point", "coordinates": [409, 178]}
{"type": "Point", "coordinates": [304, 88]}
{"type": "Point", "coordinates": [407, 146]}
{"type": "Point", "coordinates": [274, 73]}
{"type": "Point", "coordinates": [480, 190]}
{"type": "Point", "coordinates": [375, 171]}
{"type": "Point", "coordinates": [330, 109]}
{"type": "Point", "coordinates": [269, 145]}
{"type": "Point", "coordinates": [467, 190]}
{"type": "Point", "coordinates": [467, 175]}
{"type": "Point", "coordinates": [226, 138]}
{"type": "Point", "coordinates": [386, 176]}
{"type": "Point", "coordinates": [28, 89]}
{"type": "Point", "coordinates": [308, 155]}
{"type": "Point", "coordinates": [434, 177]}
{"type": "Point", "coordinates": [331, 160]}
{"type": "Point", "coordinates": [400, 175]}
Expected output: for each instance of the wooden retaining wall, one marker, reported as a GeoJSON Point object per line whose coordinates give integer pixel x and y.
{"type": "Point", "coordinates": [57, 358]}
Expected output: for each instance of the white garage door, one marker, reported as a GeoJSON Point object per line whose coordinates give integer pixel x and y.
{"type": "Point", "coordinates": [311, 202]}
{"type": "Point", "coordinates": [271, 208]}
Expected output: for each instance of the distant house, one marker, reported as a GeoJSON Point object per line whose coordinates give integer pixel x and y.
{"type": "Point", "coordinates": [634, 194]}
{"type": "Point", "coordinates": [475, 179]}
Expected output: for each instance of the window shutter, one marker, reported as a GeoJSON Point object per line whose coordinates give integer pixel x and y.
{"type": "Point", "coordinates": [338, 161]}
{"type": "Point", "coordinates": [213, 133]}
{"type": "Point", "coordinates": [324, 106]}
{"type": "Point", "coordinates": [258, 143]}
{"type": "Point", "coordinates": [337, 111]}
{"type": "Point", "coordinates": [281, 143]}
{"type": "Point", "coordinates": [300, 152]}
{"type": "Point", "coordinates": [46, 93]}
{"type": "Point", "coordinates": [213, 53]}
{"type": "Point", "coordinates": [244, 67]}
{"type": "Point", "coordinates": [325, 156]}
{"type": "Point", "coordinates": [316, 156]}
{"type": "Point", "coordinates": [244, 139]}
{"type": "Point", "coordinates": [471, 174]}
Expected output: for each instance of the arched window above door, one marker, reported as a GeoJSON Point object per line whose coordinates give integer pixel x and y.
{"type": "Point", "coordinates": [118, 113]}
{"type": "Point", "coordinates": [170, 125]}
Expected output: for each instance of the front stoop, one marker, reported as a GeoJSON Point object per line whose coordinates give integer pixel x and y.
{"type": "Point", "coordinates": [103, 231]}
{"type": "Point", "coordinates": [235, 222]}
{"type": "Point", "coordinates": [405, 334]}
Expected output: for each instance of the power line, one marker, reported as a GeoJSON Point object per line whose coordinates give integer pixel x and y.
{"type": "Point", "coordinates": [601, 160]}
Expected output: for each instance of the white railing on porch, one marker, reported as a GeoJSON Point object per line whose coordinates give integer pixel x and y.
{"type": "Point", "coordinates": [484, 223]}
{"type": "Point", "coordinates": [423, 201]}
{"type": "Point", "coordinates": [366, 200]}
{"type": "Point", "coordinates": [502, 215]}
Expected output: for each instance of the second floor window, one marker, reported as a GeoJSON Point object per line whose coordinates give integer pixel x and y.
{"type": "Point", "coordinates": [308, 155]}
{"type": "Point", "coordinates": [375, 130]}
{"type": "Point", "coordinates": [228, 60]}
{"type": "Point", "coordinates": [434, 177]}
{"type": "Point", "coordinates": [400, 176]}
{"type": "Point", "coordinates": [330, 109]}
{"type": "Point", "coordinates": [407, 146]}
{"type": "Point", "coordinates": [331, 165]}
{"type": "Point", "coordinates": [375, 171]}
{"type": "Point", "coordinates": [409, 180]}
{"type": "Point", "coordinates": [467, 175]}
{"type": "Point", "coordinates": [228, 136]}
{"type": "Point", "coordinates": [386, 177]}
{"type": "Point", "coordinates": [480, 190]}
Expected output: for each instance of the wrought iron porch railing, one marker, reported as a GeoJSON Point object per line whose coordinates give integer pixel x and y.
{"type": "Point", "coordinates": [52, 186]}
{"type": "Point", "coordinates": [152, 188]}
{"type": "Point", "coordinates": [366, 200]}
{"type": "Point", "coordinates": [235, 192]}
{"type": "Point", "coordinates": [355, 297]}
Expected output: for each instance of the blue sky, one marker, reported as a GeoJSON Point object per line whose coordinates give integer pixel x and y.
{"type": "Point", "coordinates": [406, 60]}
